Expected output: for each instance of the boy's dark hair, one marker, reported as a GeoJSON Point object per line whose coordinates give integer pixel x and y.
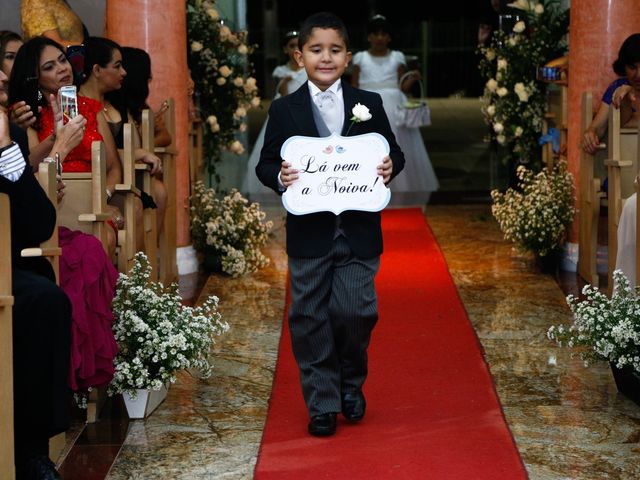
{"type": "Point", "coordinates": [378, 23]}
{"type": "Point", "coordinates": [628, 55]}
{"type": "Point", "coordinates": [98, 51]}
{"type": "Point", "coordinates": [323, 20]}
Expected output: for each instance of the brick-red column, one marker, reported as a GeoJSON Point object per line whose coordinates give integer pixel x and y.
{"type": "Point", "coordinates": [598, 28]}
{"type": "Point", "coordinates": [160, 28]}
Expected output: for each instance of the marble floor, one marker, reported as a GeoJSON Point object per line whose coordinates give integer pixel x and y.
{"type": "Point", "coordinates": [568, 422]}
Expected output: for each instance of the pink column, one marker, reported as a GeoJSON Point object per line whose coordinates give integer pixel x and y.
{"type": "Point", "coordinates": [160, 28]}
{"type": "Point", "coordinates": [598, 28]}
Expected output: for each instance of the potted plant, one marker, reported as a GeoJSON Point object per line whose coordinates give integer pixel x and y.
{"type": "Point", "coordinates": [157, 336]}
{"type": "Point", "coordinates": [229, 231]}
{"type": "Point", "coordinates": [535, 216]}
{"type": "Point", "coordinates": [607, 329]}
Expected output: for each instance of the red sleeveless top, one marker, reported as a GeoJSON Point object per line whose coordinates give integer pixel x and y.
{"type": "Point", "coordinates": [79, 159]}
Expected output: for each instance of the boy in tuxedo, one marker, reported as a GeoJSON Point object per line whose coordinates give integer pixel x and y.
{"type": "Point", "coordinates": [333, 259]}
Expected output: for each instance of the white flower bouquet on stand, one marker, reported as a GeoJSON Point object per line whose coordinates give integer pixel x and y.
{"type": "Point", "coordinates": [536, 215]}
{"type": "Point", "coordinates": [157, 335]}
{"type": "Point", "coordinates": [228, 231]}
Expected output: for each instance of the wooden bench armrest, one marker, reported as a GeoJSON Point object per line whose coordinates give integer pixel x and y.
{"type": "Point", "coordinates": [143, 167]}
{"type": "Point", "coordinates": [94, 217]}
{"type": "Point", "coordinates": [6, 300]}
{"type": "Point", "coordinates": [169, 150]}
{"type": "Point", "coordinates": [41, 252]}
{"type": "Point", "coordinates": [618, 163]}
{"type": "Point", "coordinates": [126, 188]}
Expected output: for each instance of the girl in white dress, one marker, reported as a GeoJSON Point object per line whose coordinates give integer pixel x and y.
{"type": "Point", "coordinates": [290, 77]}
{"type": "Point", "coordinates": [379, 70]}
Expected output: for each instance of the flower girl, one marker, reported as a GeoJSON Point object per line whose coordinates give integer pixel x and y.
{"type": "Point", "coordinates": [290, 76]}
{"type": "Point", "coordinates": [379, 70]}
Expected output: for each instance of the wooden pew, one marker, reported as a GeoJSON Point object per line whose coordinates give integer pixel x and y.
{"type": "Point", "coordinates": [7, 468]}
{"type": "Point", "coordinates": [590, 195]}
{"type": "Point", "coordinates": [127, 236]}
{"type": "Point", "coordinates": [168, 236]}
{"type": "Point", "coordinates": [84, 206]}
{"type": "Point", "coordinates": [50, 249]}
{"type": "Point", "coordinates": [622, 168]}
{"type": "Point", "coordinates": [143, 173]}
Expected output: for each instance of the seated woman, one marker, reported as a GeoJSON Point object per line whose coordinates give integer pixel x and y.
{"type": "Point", "coordinates": [128, 103]}
{"type": "Point", "coordinates": [105, 73]}
{"type": "Point", "coordinates": [86, 273]}
{"type": "Point", "coordinates": [40, 69]}
{"type": "Point", "coordinates": [10, 43]}
{"type": "Point", "coordinates": [627, 99]}
{"type": "Point", "coordinates": [627, 66]}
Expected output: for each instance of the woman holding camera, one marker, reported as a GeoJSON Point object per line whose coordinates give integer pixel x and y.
{"type": "Point", "coordinates": [87, 276]}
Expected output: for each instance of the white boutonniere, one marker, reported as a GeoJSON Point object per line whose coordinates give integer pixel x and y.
{"type": "Point", "coordinates": [360, 114]}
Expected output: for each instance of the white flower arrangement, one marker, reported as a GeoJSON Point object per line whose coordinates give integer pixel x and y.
{"type": "Point", "coordinates": [157, 335]}
{"type": "Point", "coordinates": [221, 70]}
{"type": "Point", "coordinates": [536, 215]}
{"type": "Point", "coordinates": [513, 96]}
{"type": "Point", "coordinates": [230, 229]}
{"type": "Point", "coordinates": [609, 327]}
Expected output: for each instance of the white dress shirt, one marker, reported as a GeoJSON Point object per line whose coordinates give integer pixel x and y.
{"type": "Point", "coordinates": [331, 105]}
{"type": "Point", "coordinates": [12, 163]}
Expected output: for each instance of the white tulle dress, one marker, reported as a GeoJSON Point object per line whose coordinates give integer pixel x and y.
{"type": "Point", "coordinates": [413, 186]}
{"type": "Point", "coordinates": [626, 258]}
{"type": "Point", "coordinates": [251, 186]}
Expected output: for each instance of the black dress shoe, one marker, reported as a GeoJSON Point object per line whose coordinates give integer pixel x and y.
{"type": "Point", "coordinates": [38, 467]}
{"type": "Point", "coordinates": [353, 406]}
{"type": "Point", "coordinates": [323, 425]}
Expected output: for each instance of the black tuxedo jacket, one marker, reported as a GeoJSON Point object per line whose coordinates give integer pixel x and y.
{"type": "Point", "coordinates": [33, 217]}
{"type": "Point", "coordinates": [312, 235]}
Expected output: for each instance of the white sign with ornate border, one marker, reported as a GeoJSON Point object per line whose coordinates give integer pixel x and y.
{"type": "Point", "coordinates": [336, 173]}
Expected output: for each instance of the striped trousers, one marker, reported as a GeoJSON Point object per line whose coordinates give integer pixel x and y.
{"type": "Point", "coordinates": [333, 311]}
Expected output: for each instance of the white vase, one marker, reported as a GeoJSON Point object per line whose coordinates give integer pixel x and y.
{"type": "Point", "coordinates": [145, 402]}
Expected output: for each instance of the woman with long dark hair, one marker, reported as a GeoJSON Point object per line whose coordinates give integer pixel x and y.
{"type": "Point", "coordinates": [40, 68]}
{"type": "Point", "coordinates": [86, 273]}
{"type": "Point", "coordinates": [126, 104]}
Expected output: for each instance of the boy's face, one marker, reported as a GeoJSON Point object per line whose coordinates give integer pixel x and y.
{"type": "Point", "coordinates": [324, 57]}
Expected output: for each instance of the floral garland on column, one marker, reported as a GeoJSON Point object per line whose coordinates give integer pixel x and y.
{"type": "Point", "coordinates": [514, 101]}
{"type": "Point", "coordinates": [224, 88]}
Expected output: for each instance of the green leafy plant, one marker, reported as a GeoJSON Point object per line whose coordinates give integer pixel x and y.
{"type": "Point", "coordinates": [224, 88]}
{"type": "Point", "coordinates": [229, 229]}
{"type": "Point", "coordinates": [609, 328]}
{"type": "Point", "coordinates": [536, 215]}
{"type": "Point", "coordinates": [514, 101]}
{"type": "Point", "coordinates": [157, 335]}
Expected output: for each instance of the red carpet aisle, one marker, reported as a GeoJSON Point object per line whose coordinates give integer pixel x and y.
{"type": "Point", "coordinates": [432, 410]}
